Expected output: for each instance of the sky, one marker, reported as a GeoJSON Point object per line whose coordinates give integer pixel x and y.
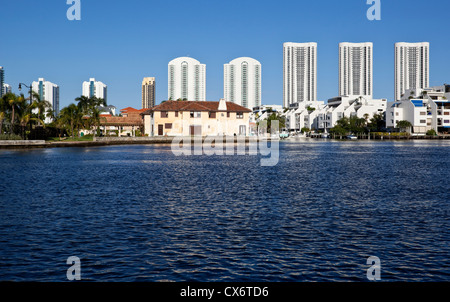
{"type": "Point", "coordinates": [121, 42]}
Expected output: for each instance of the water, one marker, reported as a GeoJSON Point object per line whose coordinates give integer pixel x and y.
{"type": "Point", "coordinates": [138, 213]}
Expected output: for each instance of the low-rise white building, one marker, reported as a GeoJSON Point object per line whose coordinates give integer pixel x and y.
{"type": "Point", "coordinates": [426, 109]}
{"type": "Point", "coordinates": [317, 115]}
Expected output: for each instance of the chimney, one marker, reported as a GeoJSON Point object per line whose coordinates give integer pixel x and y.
{"type": "Point", "coordinates": [222, 105]}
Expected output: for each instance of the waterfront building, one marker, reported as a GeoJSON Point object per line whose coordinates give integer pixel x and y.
{"type": "Point", "coordinates": [356, 69]}
{"type": "Point", "coordinates": [302, 115]}
{"type": "Point", "coordinates": [2, 80]}
{"type": "Point", "coordinates": [200, 118]}
{"type": "Point", "coordinates": [148, 92]}
{"type": "Point", "coordinates": [187, 79]}
{"type": "Point", "coordinates": [318, 115]}
{"type": "Point", "coordinates": [426, 109]}
{"type": "Point", "coordinates": [412, 65]}
{"type": "Point", "coordinates": [49, 92]}
{"type": "Point", "coordinates": [344, 106]}
{"type": "Point", "coordinates": [93, 88]}
{"type": "Point", "coordinates": [261, 113]}
{"type": "Point", "coordinates": [299, 73]}
{"type": "Point", "coordinates": [242, 82]}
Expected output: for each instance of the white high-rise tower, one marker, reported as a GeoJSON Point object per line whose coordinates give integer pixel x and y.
{"type": "Point", "coordinates": [95, 88]}
{"type": "Point", "coordinates": [187, 79]}
{"type": "Point", "coordinates": [242, 82]}
{"type": "Point", "coordinates": [412, 65]}
{"type": "Point", "coordinates": [356, 69]}
{"type": "Point", "coordinates": [49, 92]}
{"type": "Point", "coordinates": [299, 73]}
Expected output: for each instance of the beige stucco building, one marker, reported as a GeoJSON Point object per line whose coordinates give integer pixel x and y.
{"type": "Point", "coordinates": [186, 118]}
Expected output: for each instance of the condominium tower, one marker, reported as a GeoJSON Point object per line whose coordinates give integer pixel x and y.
{"type": "Point", "coordinates": [94, 88]}
{"type": "Point", "coordinates": [148, 93]}
{"type": "Point", "coordinates": [412, 65]}
{"type": "Point", "coordinates": [299, 73]}
{"type": "Point", "coordinates": [356, 69]}
{"type": "Point", "coordinates": [242, 82]}
{"type": "Point", "coordinates": [2, 80]}
{"type": "Point", "coordinates": [49, 92]}
{"type": "Point", "coordinates": [187, 79]}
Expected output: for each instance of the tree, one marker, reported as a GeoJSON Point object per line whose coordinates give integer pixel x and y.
{"type": "Point", "coordinates": [71, 117]}
{"type": "Point", "coordinates": [404, 125]}
{"type": "Point", "coordinates": [305, 130]}
{"type": "Point", "coordinates": [275, 116]}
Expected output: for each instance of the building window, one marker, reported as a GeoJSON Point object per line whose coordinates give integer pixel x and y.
{"type": "Point", "coordinates": [423, 121]}
{"type": "Point", "coordinates": [196, 114]}
{"type": "Point", "coordinates": [228, 115]}
{"type": "Point", "coordinates": [423, 113]}
{"type": "Point", "coordinates": [212, 115]}
{"type": "Point", "coordinates": [240, 115]}
{"type": "Point", "coordinates": [176, 113]}
{"type": "Point", "coordinates": [164, 114]}
{"type": "Point", "coordinates": [446, 121]}
{"type": "Point", "coordinates": [168, 126]}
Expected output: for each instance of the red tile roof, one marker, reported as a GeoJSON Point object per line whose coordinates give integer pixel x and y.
{"type": "Point", "coordinates": [195, 106]}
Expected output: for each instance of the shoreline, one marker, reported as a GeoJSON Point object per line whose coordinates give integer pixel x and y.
{"type": "Point", "coordinates": [102, 141]}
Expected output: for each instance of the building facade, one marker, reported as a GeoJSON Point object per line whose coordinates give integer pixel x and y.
{"type": "Point", "coordinates": [148, 92]}
{"type": "Point", "coordinates": [186, 118]}
{"type": "Point", "coordinates": [49, 92]}
{"type": "Point", "coordinates": [412, 65]}
{"type": "Point", "coordinates": [299, 73]}
{"type": "Point", "coordinates": [93, 88]}
{"type": "Point", "coordinates": [356, 69]}
{"type": "Point", "coordinates": [6, 88]}
{"type": "Point", "coordinates": [242, 82]}
{"type": "Point", "coordinates": [426, 109]}
{"type": "Point", "coordinates": [2, 80]}
{"type": "Point", "coordinates": [187, 79]}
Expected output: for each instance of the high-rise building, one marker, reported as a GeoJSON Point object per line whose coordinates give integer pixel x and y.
{"type": "Point", "coordinates": [356, 69]}
{"type": "Point", "coordinates": [148, 93]}
{"type": "Point", "coordinates": [95, 88]}
{"type": "Point", "coordinates": [2, 80]}
{"type": "Point", "coordinates": [187, 79]}
{"type": "Point", "coordinates": [299, 73]}
{"type": "Point", "coordinates": [6, 88]}
{"type": "Point", "coordinates": [49, 92]}
{"type": "Point", "coordinates": [412, 65]}
{"type": "Point", "coordinates": [242, 82]}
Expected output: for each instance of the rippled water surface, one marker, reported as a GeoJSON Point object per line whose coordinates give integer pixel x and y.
{"type": "Point", "coordinates": [139, 213]}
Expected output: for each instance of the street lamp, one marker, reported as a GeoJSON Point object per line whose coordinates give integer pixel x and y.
{"type": "Point", "coordinates": [31, 91]}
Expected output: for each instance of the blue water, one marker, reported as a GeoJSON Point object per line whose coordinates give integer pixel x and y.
{"type": "Point", "coordinates": [139, 213]}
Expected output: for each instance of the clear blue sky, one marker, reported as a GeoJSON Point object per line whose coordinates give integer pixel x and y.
{"type": "Point", "coordinates": [120, 42]}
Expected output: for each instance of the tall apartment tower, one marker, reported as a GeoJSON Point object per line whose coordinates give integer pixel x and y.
{"type": "Point", "coordinates": [356, 69]}
{"type": "Point", "coordinates": [148, 93]}
{"type": "Point", "coordinates": [242, 82]}
{"type": "Point", "coordinates": [412, 67]}
{"type": "Point", "coordinates": [299, 73]}
{"type": "Point", "coordinates": [2, 80]}
{"type": "Point", "coordinates": [49, 92]}
{"type": "Point", "coordinates": [187, 79]}
{"type": "Point", "coordinates": [95, 88]}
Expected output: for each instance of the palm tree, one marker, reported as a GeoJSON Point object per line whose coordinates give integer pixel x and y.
{"type": "Point", "coordinates": [26, 118]}
{"type": "Point", "coordinates": [16, 104]}
{"type": "Point", "coordinates": [71, 117]}
{"type": "Point", "coordinates": [41, 105]}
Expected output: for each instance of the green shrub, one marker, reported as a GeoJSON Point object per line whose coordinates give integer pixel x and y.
{"type": "Point", "coordinates": [431, 132]}
{"type": "Point", "coordinates": [10, 137]}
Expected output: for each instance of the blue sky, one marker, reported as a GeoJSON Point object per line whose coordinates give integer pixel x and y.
{"type": "Point", "coordinates": [120, 42]}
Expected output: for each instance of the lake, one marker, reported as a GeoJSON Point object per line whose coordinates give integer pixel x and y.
{"type": "Point", "coordinates": [140, 213]}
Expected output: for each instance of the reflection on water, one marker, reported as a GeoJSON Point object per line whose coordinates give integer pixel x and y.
{"type": "Point", "coordinates": [139, 213]}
